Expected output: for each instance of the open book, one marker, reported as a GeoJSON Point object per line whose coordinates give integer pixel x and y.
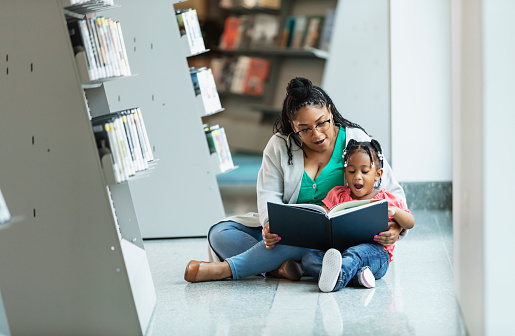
{"type": "Point", "coordinates": [346, 224]}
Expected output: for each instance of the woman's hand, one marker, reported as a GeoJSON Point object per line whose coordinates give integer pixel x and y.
{"type": "Point", "coordinates": [389, 237]}
{"type": "Point", "coordinates": [270, 239]}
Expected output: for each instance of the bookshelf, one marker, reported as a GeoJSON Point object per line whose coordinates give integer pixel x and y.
{"type": "Point", "coordinates": [259, 112]}
{"type": "Point", "coordinates": [64, 265]}
{"type": "Point", "coordinates": [166, 203]}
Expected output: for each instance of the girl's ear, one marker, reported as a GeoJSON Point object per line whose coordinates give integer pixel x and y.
{"type": "Point", "coordinates": [379, 173]}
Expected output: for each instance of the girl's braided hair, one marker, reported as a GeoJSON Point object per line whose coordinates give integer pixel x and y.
{"type": "Point", "coordinates": [300, 93]}
{"type": "Point", "coordinates": [372, 148]}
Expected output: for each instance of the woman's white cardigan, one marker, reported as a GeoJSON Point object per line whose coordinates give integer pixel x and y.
{"type": "Point", "coordinates": [279, 182]}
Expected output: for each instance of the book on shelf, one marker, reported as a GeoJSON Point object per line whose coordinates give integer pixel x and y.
{"type": "Point", "coordinates": [232, 33]}
{"type": "Point", "coordinates": [205, 86]}
{"type": "Point", "coordinates": [346, 224]}
{"type": "Point", "coordinates": [312, 37]}
{"type": "Point", "coordinates": [5, 215]}
{"type": "Point", "coordinates": [189, 26]}
{"type": "Point", "coordinates": [250, 74]}
{"type": "Point", "coordinates": [327, 29]}
{"type": "Point", "coordinates": [123, 135]}
{"type": "Point", "coordinates": [299, 31]}
{"type": "Point", "coordinates": [217, 143]}
{"type": "Point", "coordinates": [101, 40]}
{"type": "Point", "coordinates": [287, 32]}
{"type": "Point", "coordinates": [227, 4]}
{"type": "Point", "coordinates": [272, 4]}
{"type": "Point", "coordinates": [263, 30]}
{"type": "Point", "coordinates": [223, 72]}
{"type": "Point", "coordinates": [250, 4]}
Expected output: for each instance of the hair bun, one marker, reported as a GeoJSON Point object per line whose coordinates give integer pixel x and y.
{"type": "Point", "coordinates": [299, 88]}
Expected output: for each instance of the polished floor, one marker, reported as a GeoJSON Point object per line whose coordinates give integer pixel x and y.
{"type": "Point", "coordinates": [416, 297]}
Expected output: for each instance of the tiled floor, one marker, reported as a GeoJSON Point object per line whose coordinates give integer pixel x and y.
{"type": "Point", "coordinates": [416, 296]}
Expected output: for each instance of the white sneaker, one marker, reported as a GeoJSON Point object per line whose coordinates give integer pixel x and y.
{"type": "Point", "coordinates": [366, 278]}
{"type": "Point", "coordinates": [331, 266]}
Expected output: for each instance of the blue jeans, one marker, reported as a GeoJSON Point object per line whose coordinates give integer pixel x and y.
{"type": "Point", "coordinates": [243, 248]}
{"type": "Point", "coordinates": [353, 259]}
{"type": "Point", "coordinates": [229, 239]}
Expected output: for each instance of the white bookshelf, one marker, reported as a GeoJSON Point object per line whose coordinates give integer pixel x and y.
{"type": "Point", "coordinates": [167, 202]}
{"type": "Point", "coordinates": [63, 269]}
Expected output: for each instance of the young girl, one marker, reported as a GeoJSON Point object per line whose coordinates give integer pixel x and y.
{"type": "Point", "coordinates": [363, 168]}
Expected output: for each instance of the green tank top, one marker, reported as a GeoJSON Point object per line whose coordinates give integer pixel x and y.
{"type": "Point", "coordinates": [331, 176]}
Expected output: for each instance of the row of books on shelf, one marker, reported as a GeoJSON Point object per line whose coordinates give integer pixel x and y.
{"type": "Point", "coordinates": [101, 40]}
{"type": "Point", "coordinates": [251, 4]}
{"type": "Point", "coordinates": [189, 27]}
{"type": "Point", "coordinates": [122, 135]}
{"type": "Point", "coordinates": [205, 86]}
{"type": "Point", "coordinates": [217, 143]}
{"type": "Point", "coordinates": [241, 75]}
{"type": "Point", "coordinates": [263, 30]}
{"type": "Point", "coordinates": [96, 2]}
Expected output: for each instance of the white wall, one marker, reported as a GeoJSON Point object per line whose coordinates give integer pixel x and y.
{"type": "Point", "coordinates": [499, 146]}
{"type": "Point", "coordinates": [483, 115]}
{"type": "Point", "coordinates": [421, 90]}
{"type": "Point", "coordinates": [357, 73]}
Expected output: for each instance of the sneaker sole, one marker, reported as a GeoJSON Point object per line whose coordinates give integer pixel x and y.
{"type": "Point", "coordinates": [367, 279]}
{"type": "Point", "coordinates": [331, 266]}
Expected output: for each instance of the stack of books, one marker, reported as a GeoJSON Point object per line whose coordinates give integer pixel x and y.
{"type": "Point", "coordinates": [241, 75]}
{"type": "Point", "coordinates": [123, 136]}
{"type": "Point", "coordinates": [205, 86]}
{"type": "Point", "coordinates": [217, 142]}
{"type": "Point", "coordinates": [189, 26]}
{"type": "Point", "coordinates": [101, 40]}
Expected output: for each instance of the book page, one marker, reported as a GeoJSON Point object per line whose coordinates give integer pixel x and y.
{"type": "Point", "coordinates": [349, 206]}
{"type": "Point", "coordinates": [307, 206]}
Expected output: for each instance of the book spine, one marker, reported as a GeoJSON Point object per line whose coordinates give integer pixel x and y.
{"type": "Point", "coordinates": [124, 50]}
{"type": "Point", "coordinates": [90, 57]}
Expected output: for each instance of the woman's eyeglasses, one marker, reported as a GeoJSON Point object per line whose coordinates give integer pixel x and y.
{"type": "Point", "coordinates": [320, 127]}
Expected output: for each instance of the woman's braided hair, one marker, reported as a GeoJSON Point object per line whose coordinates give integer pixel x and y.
{"type": "Point", "coordinates": [300, 93]}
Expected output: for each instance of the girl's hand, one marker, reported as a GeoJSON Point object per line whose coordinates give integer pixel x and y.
{"type": "Point", "coordinates": [391, 211]}
{"type": "Point", "coordinates": [389, 237]}
{"type": "Point", "coordinates": [269, 238]}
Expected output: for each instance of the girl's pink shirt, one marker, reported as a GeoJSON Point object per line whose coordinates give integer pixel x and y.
{"type": "Point", "coordinates": [342, 194]}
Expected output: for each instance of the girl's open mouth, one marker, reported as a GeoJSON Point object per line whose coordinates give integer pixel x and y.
{"type": "Point", "coordinates": [358, 186]}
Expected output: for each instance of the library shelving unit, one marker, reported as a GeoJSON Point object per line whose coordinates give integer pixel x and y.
{"type": "Point", "coordinates": [76, 264]}
{"type": "Point", "coordinates": [167, 203]}
{"type": "Point", "coordinates": [285, 63]}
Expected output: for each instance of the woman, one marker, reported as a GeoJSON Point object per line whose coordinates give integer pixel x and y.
{"type": "Point", "coordinates": [301, 163]}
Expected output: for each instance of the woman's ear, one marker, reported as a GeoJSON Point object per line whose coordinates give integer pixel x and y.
{"type": "Point", "coordinates": [379, 173]}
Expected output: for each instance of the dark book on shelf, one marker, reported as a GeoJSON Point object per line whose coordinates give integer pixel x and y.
{"type": "Point", "coordinates": [287, 32]}
{"type": "Point", "coordinates": [345, 225]}
{"type": "Point", "coordinates": [327, 29]}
